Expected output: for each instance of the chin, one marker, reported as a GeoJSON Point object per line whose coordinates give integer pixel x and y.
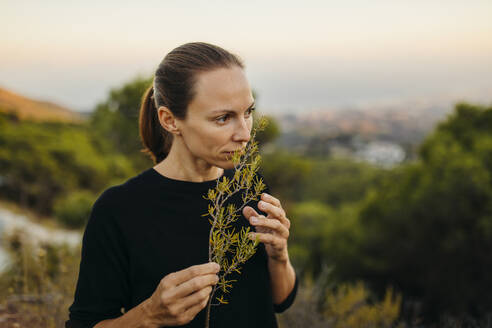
{"type": "Point", "coordinates": [224, 163]}
{"type": "Point", "coordinates": [227, 165]}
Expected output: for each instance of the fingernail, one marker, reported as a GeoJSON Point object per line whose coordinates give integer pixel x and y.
{"type": "Point", "coordinates": [254, 219]}
{"type": "Point", "coordinates": [261, 204]}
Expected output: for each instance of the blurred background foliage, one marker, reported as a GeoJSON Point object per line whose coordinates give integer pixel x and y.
{"type": "Point", "coordinates": [406, 245]}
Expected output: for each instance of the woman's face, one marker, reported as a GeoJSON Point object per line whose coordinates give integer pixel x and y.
{"type": "Point", "coordinates": [219, 118]}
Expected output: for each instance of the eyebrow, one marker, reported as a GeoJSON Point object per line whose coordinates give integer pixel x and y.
{"type": "Point", "coordinates": [230, 110]}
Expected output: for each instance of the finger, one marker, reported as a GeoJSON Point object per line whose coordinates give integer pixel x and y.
{"type": "Point", "coordinates": [248, 211]}
{"type": "Point", "coordinates": [253, 214]}
{"type": "Point", "coordinates": [273, 225]}
{"type": "Point", "coordinates": [193, 285]}
{"type": "Point", "coordinates": [270, 199]}
{"type": "Point", "coordinates": [195, 298]}
{"type": "Point", "coordinates": [261, 229]}
{"type": "Point", "coordinates": [192, 311]}
{"type": "Point", "coordinates": [268, 238]}
{"type": "Point", "coordinates": [180, 277]}
{"type": "Point", "coordinates": [273, 211]}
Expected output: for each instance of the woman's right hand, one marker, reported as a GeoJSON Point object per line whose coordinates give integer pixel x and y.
{"type": "Point", "coordinates": [181, 295]}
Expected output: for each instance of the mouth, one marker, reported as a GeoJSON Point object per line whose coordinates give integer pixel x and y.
{"type": "Point", "coordinates": [230, 153]}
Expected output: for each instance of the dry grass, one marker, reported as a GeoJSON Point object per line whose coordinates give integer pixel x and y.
{"type": "Point", "coordinates": [37, 288]}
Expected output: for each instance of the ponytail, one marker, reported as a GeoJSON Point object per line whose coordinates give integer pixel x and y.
{"type": "Point", "coordinates": [156, 140]}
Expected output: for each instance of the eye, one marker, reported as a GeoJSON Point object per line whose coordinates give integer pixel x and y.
{"type": "Point", "coordinates": [249, 111]}
{"type": "Point", "coordinates": [222, 118]}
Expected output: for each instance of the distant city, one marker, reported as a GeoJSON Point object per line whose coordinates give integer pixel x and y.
{"type": "Point", "coordinates": [384, 136]}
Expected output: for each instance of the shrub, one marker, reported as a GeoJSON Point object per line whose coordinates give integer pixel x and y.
{"type": "Point", "coordinates": [322, 303]}
{"type": "Point", "coordinates": [74, 209]}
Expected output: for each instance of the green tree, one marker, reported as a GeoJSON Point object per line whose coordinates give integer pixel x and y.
{"type": "Point", "coordinates": [339, 181]}
{"type": "Point", "coordinates": [429, 228]}
{"type": "Point", "coordinates": [116, 120]}
{"type": "Point", "coordinates": [322, 235]}
{"type": "Point", "coordinates": [285, 173]}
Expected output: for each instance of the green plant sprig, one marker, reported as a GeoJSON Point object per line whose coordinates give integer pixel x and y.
{"type": "Point", "coordinates": [223, 238]}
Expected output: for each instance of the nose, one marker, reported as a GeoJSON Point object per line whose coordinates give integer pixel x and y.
{"type": "Point", "coordinates": [243, 131]}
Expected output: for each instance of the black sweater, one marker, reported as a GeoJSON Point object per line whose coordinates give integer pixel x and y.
{"type": "Point", "coordinates": [148, 227]}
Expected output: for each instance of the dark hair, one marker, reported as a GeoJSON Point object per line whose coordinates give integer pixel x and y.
{"type": "Point", "coordinates": [173, 87]}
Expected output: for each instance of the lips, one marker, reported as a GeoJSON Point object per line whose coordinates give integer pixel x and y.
{"type": "Point", "coordinates": [232, 152]}
{"type": "Point", "coordinates": [229, 154]}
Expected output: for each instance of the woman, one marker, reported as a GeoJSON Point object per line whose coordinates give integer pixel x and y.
{"type": "Point", "coordinates": [145, 247]}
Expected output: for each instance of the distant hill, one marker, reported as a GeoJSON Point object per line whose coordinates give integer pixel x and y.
{"type": "Point", "coordinates": [36, 110]}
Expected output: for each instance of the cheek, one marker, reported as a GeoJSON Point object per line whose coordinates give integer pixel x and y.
{"type": "Point", "coordinates": [250, 123]}
{"type": "Point", "coordinates": [213, 138]}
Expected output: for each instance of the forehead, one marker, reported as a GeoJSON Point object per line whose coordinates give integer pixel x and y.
{"type": "Point", "coordinates": [222, 88]}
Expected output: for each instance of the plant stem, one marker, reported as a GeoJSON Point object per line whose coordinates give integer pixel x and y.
{"type": "Point", "coordinates": [209, 305]}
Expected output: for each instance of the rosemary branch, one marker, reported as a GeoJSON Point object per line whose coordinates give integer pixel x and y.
{"type": "Point", "coordinates": [223, 237]}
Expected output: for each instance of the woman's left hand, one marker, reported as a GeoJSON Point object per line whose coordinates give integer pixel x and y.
{"type": "Point", "coordinates": [272, 230]}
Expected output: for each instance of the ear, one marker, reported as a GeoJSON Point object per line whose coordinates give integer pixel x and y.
{"type": "Point", "coordinates": [167, 120]}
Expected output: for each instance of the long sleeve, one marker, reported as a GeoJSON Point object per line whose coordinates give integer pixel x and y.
{"type": "Point", "coordinates": [102, 287]}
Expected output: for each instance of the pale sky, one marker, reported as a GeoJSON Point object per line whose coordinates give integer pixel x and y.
{"type": "Point", "coordinates": [298, 54]}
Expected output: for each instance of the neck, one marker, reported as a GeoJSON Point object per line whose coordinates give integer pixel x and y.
{"type": "Point", "coordinates": [180, 164]}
